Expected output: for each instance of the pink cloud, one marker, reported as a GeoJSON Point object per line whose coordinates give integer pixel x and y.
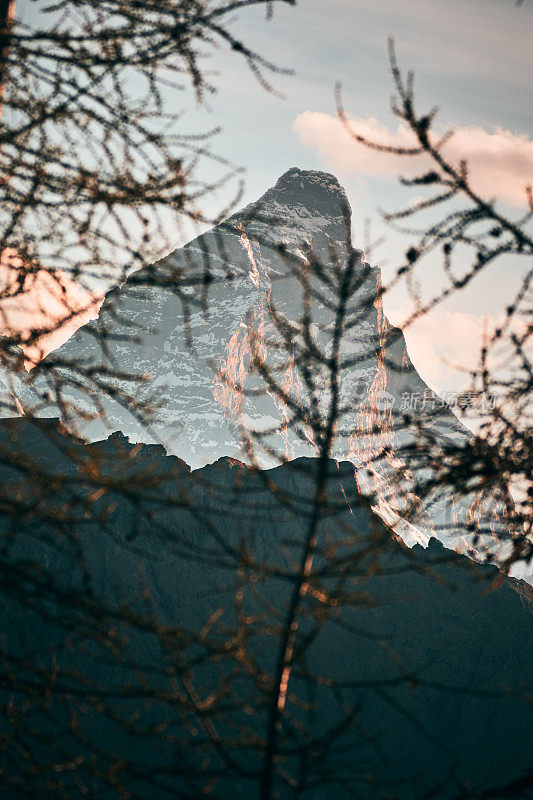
{"type": "Point", "coordinates": [49, 304]}
{"type": "Point", "coordinates": [500, 163]}
{"type": "Point", "coordinates": [445, 345]}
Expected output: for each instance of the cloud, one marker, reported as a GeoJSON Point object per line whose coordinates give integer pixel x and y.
{"type": "Point", "coordinates": [445, 345]}
{"type": "Point", "coordinates": [48, 304]}
{"type": "Point", "coordinates": [500, 163]}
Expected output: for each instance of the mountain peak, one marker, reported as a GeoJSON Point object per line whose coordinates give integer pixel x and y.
{"type": "Point", "coordinates": [302, 204]}
{"type": "Point", "coordinates": [300, 178]}
{"type": "Point", "coordinates": [312, 188]}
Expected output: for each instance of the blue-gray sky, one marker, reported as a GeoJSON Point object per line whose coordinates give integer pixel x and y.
{"type": "Point", "coordinates": [472, 58]}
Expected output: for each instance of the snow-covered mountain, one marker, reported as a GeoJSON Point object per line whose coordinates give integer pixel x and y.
{"type": "Point", "coordinates": [199, 415]}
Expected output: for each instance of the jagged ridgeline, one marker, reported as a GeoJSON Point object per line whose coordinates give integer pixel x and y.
{"type": "Point", "coordinates": [143, 610]}
{"type": "Point", "coordinates": [186, 323]}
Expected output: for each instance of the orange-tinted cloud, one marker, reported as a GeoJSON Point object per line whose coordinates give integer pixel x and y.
{"type": "Point", "coordinates": [42, 307]}
{"type": "Point", "coordinates": [445, 347]}
{"type": "Point", "coordinates": [500, 163]}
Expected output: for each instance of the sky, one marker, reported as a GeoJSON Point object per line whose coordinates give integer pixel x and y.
{"type": "Point", "coordinates": [472, 58]}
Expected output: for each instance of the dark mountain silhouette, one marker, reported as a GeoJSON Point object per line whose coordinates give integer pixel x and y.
{"type": "Point", "coordinates": [142, 606]}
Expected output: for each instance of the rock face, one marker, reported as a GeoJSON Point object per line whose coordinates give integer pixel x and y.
{"type": "Point", "coordinates": [199, 415]}
{"type": "Point", "coordinates": [195, 420]}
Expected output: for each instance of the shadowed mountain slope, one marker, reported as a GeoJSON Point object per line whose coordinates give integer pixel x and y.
{"type": "Point", "coordinates": [143, 606]}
